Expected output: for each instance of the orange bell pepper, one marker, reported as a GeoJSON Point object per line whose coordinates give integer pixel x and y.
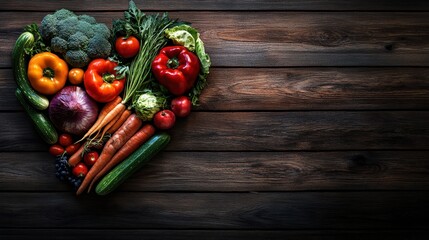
{"type": "Point", "coordinates": [47, 73]}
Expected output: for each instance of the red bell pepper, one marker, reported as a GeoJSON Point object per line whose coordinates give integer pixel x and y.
{"type": "Point", "coordinates": [100, 80]}
{"type": "Point", "coordinates": [176, 68]}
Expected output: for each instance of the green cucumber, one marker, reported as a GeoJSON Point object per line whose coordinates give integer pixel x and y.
{"type": "Point", "coordinates": [131, 164]}
{"type": "Point", "coordinates": [43, 126]}
{"type": "Point", "coordinates": [26, 40]}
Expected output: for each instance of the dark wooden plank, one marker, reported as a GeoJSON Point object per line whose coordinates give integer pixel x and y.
{"type": "Point", "coordinates": [172, 5]}
{"type": "Point", "coordinates": [299, 210]}
{"type": "Point", "coordinates": [241, 171]}
{"type": "Point", "coordinates": [96, 234]}
{"type": "Point", "coordinates": [264, 131]}
{"type": "Point", "coordinates": [266, 39]}
{"type": "Point", "coordinates": [316, 89]}
{"type": "Point", "coordinates": [232, 89]}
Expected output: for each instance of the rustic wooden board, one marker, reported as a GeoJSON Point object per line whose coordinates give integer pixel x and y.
{"type": "Point", "coordinates": [241, 171]}
{"type": "Point", "coordinates": [265, 131]}
{"type": "Point", "coordinates": [156, 234]}
{"type": "Point", "coordinates": [266, 89]}
{"type": "Point", "coordinates": [259, 5]}
{"type": "Point", "coordinates": [307, 210]}
{"type": "Point", "coordinates": [276, 39]}
{"type": "Point", "coordinates": [314, 126]}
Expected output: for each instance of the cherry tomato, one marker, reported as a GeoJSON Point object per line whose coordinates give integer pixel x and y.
{"type": "Point", "coordinates": [76, 76]}
{"type": "Point", "coordinates": [65, 140]}
{"type": "Point", "coordinates": [164, 119]}
{"type": "Point", "coordinates": [71, 149]}
{"type": "Point", "coordinates": [181, 106]}
{"type": "Point", "coordinates": [80, 170]}
{"type": "Point", "coordinates": [90, 158]}
{"type": "Point", "coordinates": [56, 150]}
{"type": "Point", "coordinates": [127, 47]}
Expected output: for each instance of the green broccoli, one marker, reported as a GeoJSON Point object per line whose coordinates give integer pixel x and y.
{"type": "Point", "coordinates": [78, 41]}
{"type": "Point", "coordinates": [78, 38]}
{"type": "Point", "coordinates": [76, 58]}
{"type": "Point", "coordinates": [59, 45]}
{"type": "Point", "coordinates": [87, 18]}
{"type": "Point", "coordinates": [98, 46]}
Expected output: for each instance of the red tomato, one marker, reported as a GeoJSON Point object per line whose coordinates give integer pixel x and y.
{"type": "Point", "coordinates": [56, 150]}
{"type": "Point", "coordinates": [65, 140]}
{"type": "Point", "coordinates": [71, 149]}
{"type": "Point", "coordinates": [127, 47]}
{"type": "Point", "coordinates": [80, 170]}
{"type": "Point", "coordinates": [181, 106]}
{"type": "Point", "coordinates": [164, 119]}
{"type": "Point", "coordinates": [90, 158]}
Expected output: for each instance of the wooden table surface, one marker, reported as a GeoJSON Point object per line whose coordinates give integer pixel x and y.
{"type": "Point", "coordinates": [315, 124]}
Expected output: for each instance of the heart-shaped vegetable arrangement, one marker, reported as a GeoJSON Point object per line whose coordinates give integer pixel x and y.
{"type": "Point", "coordinates": [101, 97]}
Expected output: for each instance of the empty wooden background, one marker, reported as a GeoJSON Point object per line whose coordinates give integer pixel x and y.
{"type": "Point", "coordinates": [315, 125]}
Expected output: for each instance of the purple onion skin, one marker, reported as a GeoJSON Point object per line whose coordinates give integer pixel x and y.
{"type": "Point", "coordinates": [73, 111]}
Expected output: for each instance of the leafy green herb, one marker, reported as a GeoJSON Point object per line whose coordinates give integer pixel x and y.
{"type": "Point", "coordinates": [130, 25]}
{"type": "Point", "coordinates": [38, 46]}
{"type": "Point", "coordinates": [122, 71]}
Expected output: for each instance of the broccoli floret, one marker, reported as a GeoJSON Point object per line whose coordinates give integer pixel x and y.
{"type": "Point", "coordinates": [59, 45]}
{"type": "Point", "coordinates": [48, 28]}
{"type": "Point", "coordinates": [101, 29]}
{"type": "Point", "coordinates": [67, 27]}
{"type": "Point", "coordinates": [78, 41]}
{"type": "Point", "coordinates": [87, 18]}
{"type": "Point", "coordinates": [63, 14]}
{"type": "Point", "coordinates": [86, 28]}
{"type": "Point", "coordinates": [78, 38]}
{"type": "Point", "coordinates": [98, 47]}
{"type": "Point", "coordinates": [77, 58]}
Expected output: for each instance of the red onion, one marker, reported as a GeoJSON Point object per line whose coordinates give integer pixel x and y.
{"type": "Point", "coordinates": [72, 111]}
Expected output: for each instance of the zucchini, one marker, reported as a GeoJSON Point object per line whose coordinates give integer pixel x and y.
{"type": "Point", "coordinates": [131, 164]}
{"type": "Point", "coordinates": [43, 126]}
{"type": "Point", "coordinates": [26, 40]}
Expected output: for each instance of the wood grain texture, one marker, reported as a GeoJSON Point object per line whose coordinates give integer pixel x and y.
{"type": "Point", "coordinates": [236, 89]}
{"type": "Point", "coordinates": [278, 89]}
{"type": "Point", "coordinates": [259, 5]}
{"type": "Point", "coordinates": [344, 210]}
{"type": "Point", "coordinates": [267, 131]}
{"type": "Point", "coordinates": [241, 171]}
{"type": "Point", "coordinates": [156, 234]}
{"type": "Point", "coordinates": [314, 126]}
{"type": "Point", "coordinates": [276, 39]}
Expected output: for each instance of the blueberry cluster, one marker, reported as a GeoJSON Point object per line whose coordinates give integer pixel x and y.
{"type": "Point", "coordinates": [64, 172]}
{"type": "Point", "coordinates": [62, 167]}
{"type": "Point", "coordinates": [75, 181]}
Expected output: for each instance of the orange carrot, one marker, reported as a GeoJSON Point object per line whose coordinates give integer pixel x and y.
{"type": "Point", "coordinates": [104, 111]}
{"type": "Point", "coordinates": [117, 110]}
{"type": "Point", "coordinates": [132, 144]}
{"type": "Point", "coordinates": [109, 125]}
{"type": "Point", "coordinates": [77, 156]}
{"type": "Point", "coordinates": [125, 114]}
{"type": "Point", "coordinates": [124, 133]}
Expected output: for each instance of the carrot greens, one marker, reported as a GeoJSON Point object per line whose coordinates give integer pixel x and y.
{"type": "Point", "coordinates": [150, 30]}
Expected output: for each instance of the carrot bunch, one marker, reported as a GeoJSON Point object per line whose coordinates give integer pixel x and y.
{"type": "Point", "coordinates": [128, 135]}
{"type": "Point", "coordinates": [123, 142]}
{"type": "Point", "coordinates": [111, 117]}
